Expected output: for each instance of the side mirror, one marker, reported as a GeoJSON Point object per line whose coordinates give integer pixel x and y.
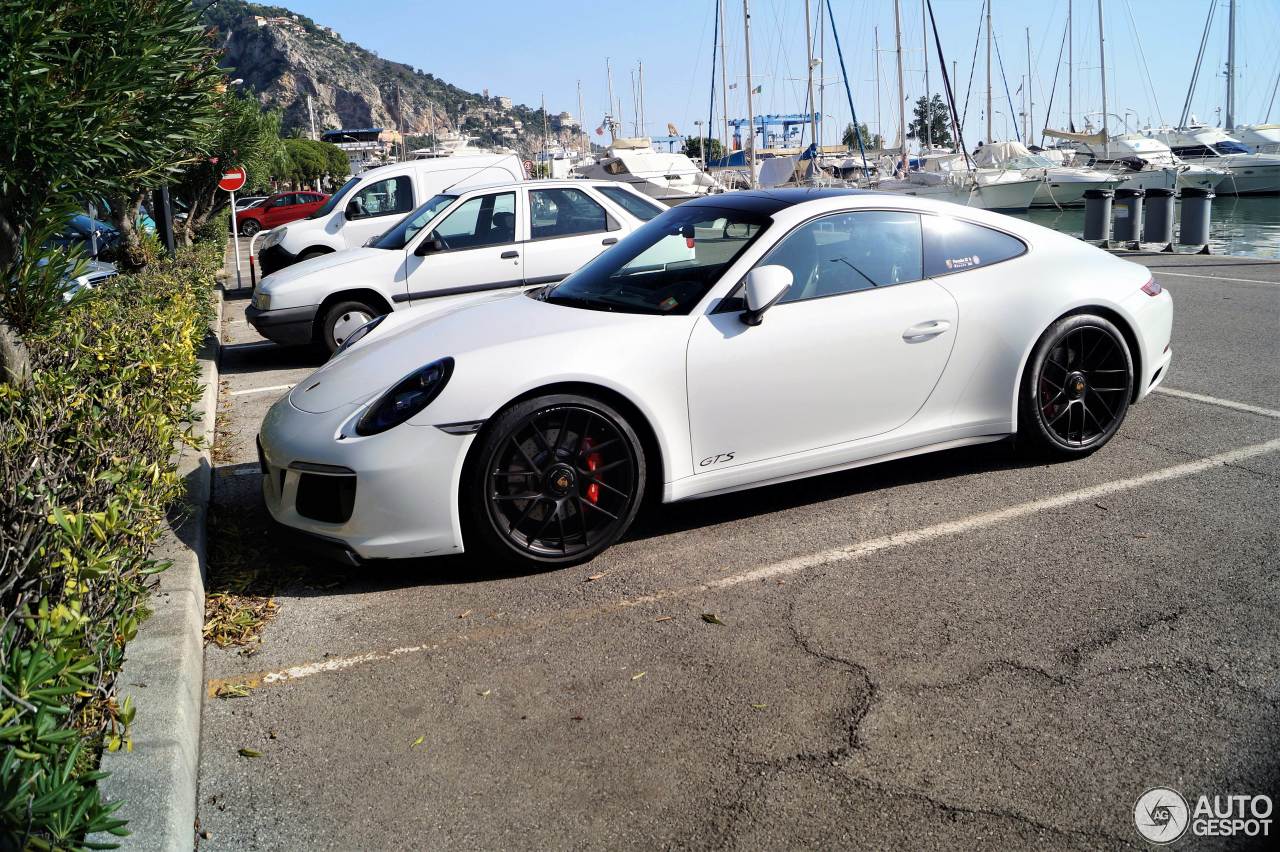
{"type": "Point", "coordinates": [429, 245]}
{"type": "Point", "coordinates": [352, 210]}
{"type": "Point", "coordinates": [765, 286]}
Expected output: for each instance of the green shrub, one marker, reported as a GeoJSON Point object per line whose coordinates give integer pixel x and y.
{"type": "Point", "coordinates": [215, 228]}
{"type": "Point", "coordinates": [87, 462]}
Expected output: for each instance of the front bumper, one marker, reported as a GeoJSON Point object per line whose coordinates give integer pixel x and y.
{"type": "Point", "coordinates": [274, 258]}
{"type": "Point", "coordinates": [393, 495]}
{"type": "Point", "coordinates": [289, 326]}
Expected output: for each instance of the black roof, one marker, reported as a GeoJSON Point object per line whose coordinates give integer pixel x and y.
{"type": "Point", "coordinates": [770, 201]}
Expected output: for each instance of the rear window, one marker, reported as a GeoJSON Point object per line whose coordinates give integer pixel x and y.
{"type": "Point", "coordinates": [953, 245]}
{"type": "Point", "coordinates": [641, 208]}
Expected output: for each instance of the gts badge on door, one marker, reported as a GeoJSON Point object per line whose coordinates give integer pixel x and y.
{"type": "Point", "coordinates": [718, 459]}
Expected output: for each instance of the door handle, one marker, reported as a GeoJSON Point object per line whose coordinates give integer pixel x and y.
{"type": "Point", "coordinates": [507, 255]}
{"type": "Point", "coordinates": [608, 241]}
{"type": "Point", "coordinates": [925, 330]}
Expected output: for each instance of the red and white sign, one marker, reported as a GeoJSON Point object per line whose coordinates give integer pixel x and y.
{"type": "Point", "coordinates": [528, 168]}
{"type": "Point", "coordinates": [232, 179]}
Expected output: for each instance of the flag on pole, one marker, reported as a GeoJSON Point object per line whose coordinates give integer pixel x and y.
{"type": "Point", "coordinates": [600, 130]}
{"type": "Point", "coordinates": [733, 85]}
{"type": "Point", "coordinates": [758, 89]}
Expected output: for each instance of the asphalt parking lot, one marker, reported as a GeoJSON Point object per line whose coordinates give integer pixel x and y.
{"type": "Point", "coordinates": [955, 651]}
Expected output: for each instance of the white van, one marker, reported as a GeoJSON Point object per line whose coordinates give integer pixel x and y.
{"type": "Point", "coordinates": [372, 202]}
{"type": "Point", "coordinates": [455, 245]}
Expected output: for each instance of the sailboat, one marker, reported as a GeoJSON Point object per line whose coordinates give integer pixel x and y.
{"type": "Point", "coordinates": [1060, 185]}
{"type": "Point", "coordinates": [952, 177]}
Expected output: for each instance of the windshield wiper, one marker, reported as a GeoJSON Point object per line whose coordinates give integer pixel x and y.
{"type": "Point", "coordinates": [855, 269]}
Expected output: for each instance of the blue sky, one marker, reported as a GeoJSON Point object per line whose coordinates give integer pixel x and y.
{"type": "Point", "coordinates": [525, 50]}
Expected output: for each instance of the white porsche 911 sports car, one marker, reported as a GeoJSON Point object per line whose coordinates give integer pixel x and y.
{"type": "Point", "coordinates": [734, 341]}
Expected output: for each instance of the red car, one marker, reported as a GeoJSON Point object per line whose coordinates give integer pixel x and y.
{"type": "Point", "coordinates": [278, 209]}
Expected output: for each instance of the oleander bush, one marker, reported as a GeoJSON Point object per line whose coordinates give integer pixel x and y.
{"type": "Point", "coordinates": [87, 475]}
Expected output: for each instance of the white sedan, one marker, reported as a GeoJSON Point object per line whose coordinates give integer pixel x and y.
{"type": "Point", "coordinates": [734, 341]}
{"type": "Point", "coordinates": [495, 237]}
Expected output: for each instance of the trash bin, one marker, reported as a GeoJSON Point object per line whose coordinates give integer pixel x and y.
{"type": "Point", "coordinates": [1097, 214]}
{"type": "Point", "coordinates": [1193, 229]}
{"type": "Point", "coordinates": [1157, 225]}
{"type": "Point", "coordinates": [1128, 212]}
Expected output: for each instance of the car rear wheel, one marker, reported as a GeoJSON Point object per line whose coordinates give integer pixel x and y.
{"type": "Point", "coordinates": [340, 320]}
{"type": "Point", "coordinates": [249, 227]}
{"type": "Point", "coordinates": [554, 481]}
{"type": "Point", "coordinates": [1076, 387]}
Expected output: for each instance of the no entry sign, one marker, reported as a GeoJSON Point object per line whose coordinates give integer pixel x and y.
{"type": "Point", "coordinates": [232, 179]}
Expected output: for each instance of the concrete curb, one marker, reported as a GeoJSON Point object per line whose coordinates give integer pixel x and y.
{"type": "Point", "coordinates": [164, 664]}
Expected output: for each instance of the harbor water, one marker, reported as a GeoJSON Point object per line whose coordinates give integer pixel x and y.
{"type": "Point", "coordinates": [1244, 226]}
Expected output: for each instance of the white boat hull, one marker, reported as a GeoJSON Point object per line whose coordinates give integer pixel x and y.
{"type": "Point", "coordinates": [1009, 196]}
{"type": "Point", "coordinates": [1248, 178]}
{"type": "Point", "coordinates": [1068, 193]}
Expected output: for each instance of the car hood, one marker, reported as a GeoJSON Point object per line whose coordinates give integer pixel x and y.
{"type": "Point", "coordinates": [422, 335]}
{"type": "Point", "coordinates": [325, 262]}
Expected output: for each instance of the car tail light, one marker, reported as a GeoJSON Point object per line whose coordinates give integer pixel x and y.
{"type": "Point", "coordinates": [1152, 288]}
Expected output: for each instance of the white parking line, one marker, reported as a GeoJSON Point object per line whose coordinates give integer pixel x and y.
{"type": "Point", "coordinates": [795, 565]}
{"type": "Point", "coordinates": [1222, 403]}
{"type": "Point", "coordinates": [1158, 271]}
{"type": "Point", "coordinates": [260, 390]}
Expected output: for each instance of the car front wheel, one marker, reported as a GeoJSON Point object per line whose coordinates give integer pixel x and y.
{"type": "Point", "coordinates": [1076, 387]}
{"type": "Point", "coordinates": [341, 320]}
{"type": "Point", "coordinates": [249, 227]}
{"type": "Point", "coordinates": [554, 481]}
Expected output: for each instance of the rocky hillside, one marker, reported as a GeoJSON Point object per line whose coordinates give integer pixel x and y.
{"type": "Point", "coordinates": [283, 57]}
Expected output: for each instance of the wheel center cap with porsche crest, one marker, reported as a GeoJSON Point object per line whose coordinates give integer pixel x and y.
{"type": "Point", "coordinates": [1076, 385]}
{"type": "Point", "coordinates": [560, 480]}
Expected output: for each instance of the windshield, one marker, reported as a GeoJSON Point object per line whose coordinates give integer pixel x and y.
{"type": "Point", "coordinates": [334, 199]}
{"type": "Point", "coordinates": [398, 237]}
{"type": "Point", "coordinates": [1229, 146]}
{"type": "Point", "coordinates": [666, 266]}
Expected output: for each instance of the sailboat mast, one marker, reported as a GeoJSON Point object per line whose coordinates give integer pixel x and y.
{"type": "Point", "coordinates": [990, 135]}
{"type": "Point", "coordinates": [640, 74]}
{"type": "Point", "coordinates": [808, 47]}
{"type": "Point", "coordinates": [724, 80]}
{"type": "Point", "coordinates": [1231, 66]}
{"type": "Point", "coordinates": [582, 123]}
{"type": "Point", "coordinates": [928, 102]}
{"type": "Point", "coordinates": [751, 118]}
{"type": "Point", "coordinates": [608, 118]}
{"type": "Point", "coordinates": [1031, 104]}
{"type": "Point", "coordinates": [1070, 73]}
{"type": "Point", "coordinates": [879, 125]}
{"type": "Point", "coordinates": [1102, 60]}
{"type": "Point", "coordinates": [822, 74]}
{"type": "Point", "coordinates": [902, 104]}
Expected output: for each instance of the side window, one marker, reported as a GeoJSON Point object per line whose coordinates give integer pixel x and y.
{"type": "Point", "coordinates": [848, 252]}
{"type": "Point", "coordinates": [283, 201]}
{"type": "Point", "coordinates": [564, 213]}
{"type": "Point", "coordinates": [641, 208]}
{"type": "Point", "coordinates": [952, 245]}
{"type": "Point", "coordinates": [487, 220]}
{"type": "Point", "coordinates": [385, 197]}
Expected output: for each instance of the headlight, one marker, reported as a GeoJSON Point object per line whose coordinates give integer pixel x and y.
{"type": "Point", "coordinates": [262, 300]}
{"type": "Point", "coordinates": [274, 236]}
{"type": "Point", "coordinates": [409, 396]}
{"type": "Point", "coordinates": [359, 334]}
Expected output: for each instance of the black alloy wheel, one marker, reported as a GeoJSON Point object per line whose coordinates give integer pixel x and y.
{"type": "Point", "coordinates": [1078, 386]}
{"type": "Point", "coordinates": [249, 227]}
{"type": "Point", "coordinates": [559, 479]}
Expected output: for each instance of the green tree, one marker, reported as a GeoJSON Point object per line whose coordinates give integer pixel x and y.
{"type": "Point", "coordinates": [869, 141]}
{"type": "Point", "coordinates": [707, 148]}
{"type": "Point", "coordinates": [246, 136]}
{"type": "Point", "coordinates": [931, 114]}
{"type": "Point", "coordinates": [306, 161]}
{"type": "Point", "coordinates": [100, 97]}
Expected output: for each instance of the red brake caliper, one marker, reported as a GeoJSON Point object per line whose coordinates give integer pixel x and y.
{"type": "Point", "coordinates": [593, 462]}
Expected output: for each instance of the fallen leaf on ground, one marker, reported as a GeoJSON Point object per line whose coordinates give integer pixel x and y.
{"type": "Point", "coordinates": [638, 676]}
{"type": "Point", "coordinates": [575, 718]}
{"type": "Point", "coordinates": [249, 752]}
{"type": "Point", "coordinates": [465, 614]}
{"type": "Point", "coordinates": [418, 742]}
{"type": "Point", "coordinates": [712, 618]}
{"type": "Point", "coordinates": [232, 690]}
{"type": "Point", "coordinates": [592, 578]}
{"type": "Point", "coordinates": [485, 694]}
{"type": "Point", "coordinates": [758, 706]}
{"type": "Point", "coordinates": [664, 618]}
{"type": "Point", "coordinates": [271, 734]}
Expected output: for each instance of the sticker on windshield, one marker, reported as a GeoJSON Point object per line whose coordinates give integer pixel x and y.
{"type": "Point", "coordinates": [966, 262]}
{"type": "Point", "coordinates": [668, 303]}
